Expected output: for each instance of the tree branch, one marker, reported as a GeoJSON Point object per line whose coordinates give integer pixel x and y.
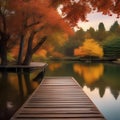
{"type": "Point", "coordinates": [32, 24]}
{"type": "Point", "coordinates": [39, 29]}
{"type": "Point", "coordinates": [39, 44]}
{"type": "Point", "coordinates": [26, 25]}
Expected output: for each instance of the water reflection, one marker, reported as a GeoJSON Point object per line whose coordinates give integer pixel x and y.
{"type": "Point", "coordinates": [90, 73]}
{"type": "Point", "coordinates": [14, 90]}
{"type": "Point", "coordinates": [54, 66]}
{"type": "Point", "coordinates": [98, 75]}
{"type": "Point", "coordinates": [101, 82]}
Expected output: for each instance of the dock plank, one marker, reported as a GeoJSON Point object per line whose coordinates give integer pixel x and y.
{"type": "Point", "coordinates": [58, 98]}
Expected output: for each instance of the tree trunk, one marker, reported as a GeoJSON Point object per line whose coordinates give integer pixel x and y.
{"type": "Point", "coordinates": [31, 51]}
{"type": "Point", "coordinates": [20, 54]}
{"type": "Point", "coordinates": [3, 52]}
{"type": "Point", "coordinates": [3, 47]}
{"type": "Point", "coordinates": [3, 41]}
{"type": "Point", "coordinates": [39, 44]}
{"type": "Point", "coordinates": [28, 56]}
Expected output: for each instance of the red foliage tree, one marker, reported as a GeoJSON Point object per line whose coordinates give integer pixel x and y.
{"type": "Point", "coordinates": [31, 21]}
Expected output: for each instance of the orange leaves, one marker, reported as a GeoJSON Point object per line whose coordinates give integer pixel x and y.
{"type": "Point", "coordinates": [54, 21]}
{"type": "Point", "coordinates": [14, 51]}
{"type": "Point", "coordinates": [56, 3]}
{"type": "Point", "coordinates": [116, 8]}
{"type": "Point", "coordinates": [90, 48]}
{"type": "Point", "coordinates": [102, 5]}
{"type": "Point", "coordinates": [73, 10]}
{"type": "Point", "coordinates": [30, 15]}
{"type": "Point", "coordinates": [57, 54]}
{"type": "Point", "coordinates": [80, 52]}
{"type": "Point", "coordinates": [41, 53]}
{"type": "Point", "coordinates": [76, 12]}
{"type": "Point", "coordinates": [106, 6]}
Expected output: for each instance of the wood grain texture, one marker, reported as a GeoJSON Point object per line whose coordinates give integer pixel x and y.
{"type": "Point", "coordinates": [58, 98]}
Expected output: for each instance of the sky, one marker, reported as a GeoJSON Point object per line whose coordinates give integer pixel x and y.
{"type": "Point", "coordinates": [96, 18]}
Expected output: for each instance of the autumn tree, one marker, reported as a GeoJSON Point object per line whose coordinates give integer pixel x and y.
{"type": "Point", "coordinates": [89, 48]}
{"type": "Point", "coordinates": [38, 25]}
{"type": "Point", "coordinates": [32, 26]}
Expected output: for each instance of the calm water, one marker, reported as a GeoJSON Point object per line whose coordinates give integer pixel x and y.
{"type": "Point", "coordinates": [101, 82]}
{"type": "Point", "coordinates": [15, 89]}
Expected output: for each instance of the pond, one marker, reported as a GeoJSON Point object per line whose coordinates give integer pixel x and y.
{"type": "Point", "coordinates": [15, 88]}
{"type": "Point", "coordinates": [101, 82]}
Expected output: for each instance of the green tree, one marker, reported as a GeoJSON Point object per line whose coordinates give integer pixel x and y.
{"type": "Point", "coordinates": [101, 27]}
{"type": "Point", "coordinates": [112, 48]}
{"type": "Point", "coordinates": [115, 28]}
{"type": "Point", "coordinates": [80, 35]}
{"type": "Point", "coordinates": [69, 47]}
{"type": "Point", "coordinates": [73, 42]}
{"type": "Point", "coordinates": [101, 34]}
{"type": "Point", "coordinates": [90, 33]}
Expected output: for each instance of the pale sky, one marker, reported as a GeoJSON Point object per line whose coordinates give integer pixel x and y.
{"type": "Point", "coordinates": [96, 18]}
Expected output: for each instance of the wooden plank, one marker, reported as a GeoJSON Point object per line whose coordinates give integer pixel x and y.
{"type": "Point", "coordinates": [58, 98]}
{"type": "Point", "coordinates": [47, 115]}
{"type": "Point", "coordinates": [59, 110]}
{"type": "Point", "coordinates": [59, 119]}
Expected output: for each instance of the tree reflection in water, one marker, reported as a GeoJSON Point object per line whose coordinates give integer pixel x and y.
{"type": "Point", "coordinates": [93, 75]}
{"type": "Point", "coordinates": [90, 73]}
{"type": "Point", "coordinates": [15, 89]}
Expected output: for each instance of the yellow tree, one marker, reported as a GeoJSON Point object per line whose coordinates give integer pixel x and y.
{"type": "Point", "coordinates": [89, 48]}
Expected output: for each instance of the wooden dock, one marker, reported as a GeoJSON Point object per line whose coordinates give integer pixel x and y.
{"type": "Point", "coordinates": [58, 98]}
{"type": "Point", "coordinates": [32, 66]}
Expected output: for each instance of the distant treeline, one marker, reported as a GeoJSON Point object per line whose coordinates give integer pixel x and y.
{"type": "Point", "coordinates": [108, 39]}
